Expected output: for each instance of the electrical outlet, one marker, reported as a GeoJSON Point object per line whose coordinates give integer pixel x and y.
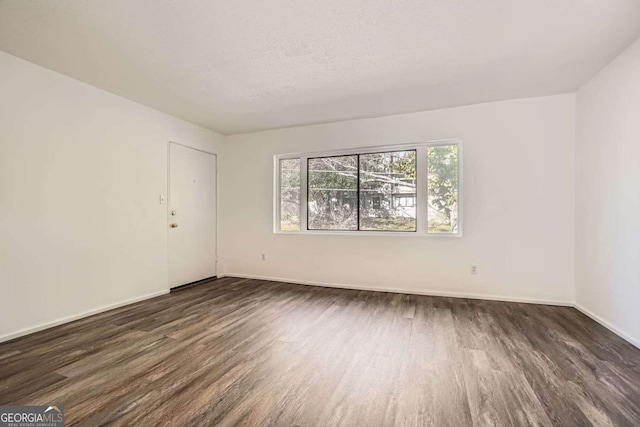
{"type": "Point", "coordinates": [474, 270]}
{"type": "Point", "coordinates": [263, 257]}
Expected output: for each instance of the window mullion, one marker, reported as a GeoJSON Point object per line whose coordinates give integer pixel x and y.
{"type": "Point", "coordinates": [358, 195]}
{"type": "Point", "coordinates": [304, 193]}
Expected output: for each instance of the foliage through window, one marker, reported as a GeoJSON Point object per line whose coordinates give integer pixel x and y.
{"type": "Point", "coordinates": [290, 194]}
{"type": "Point", "coordinates": [404, 189]}
{"type": "Point", "coordinates": [333, 193]}
{"type": "Point", "coordinates": [443, 188]}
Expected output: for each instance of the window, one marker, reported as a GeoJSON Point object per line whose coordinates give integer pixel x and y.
{"type": "Point", "coordinates": [289, 194]}
{"type": "Point", "coordinates": [409, 189]}
{"type": "Point", "coordinates": [443, 180]}
{"type": "Point", "coordinates": [384, 178]}
{"type": "Point", "coordinates": [333, 193]}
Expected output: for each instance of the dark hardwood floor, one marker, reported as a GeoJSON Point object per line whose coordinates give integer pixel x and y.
{"type": "Point", "coordinates": [247, 352]}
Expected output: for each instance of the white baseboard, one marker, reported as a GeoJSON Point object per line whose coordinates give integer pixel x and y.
{"type": "Point", "coordinates": [406, 291]}
{"type": "Point", "coordinates": [578, 307]}
{"type": "Point", "coordinates": [68, 319]}
{"type": "Point", "coordinates": [607, 325]}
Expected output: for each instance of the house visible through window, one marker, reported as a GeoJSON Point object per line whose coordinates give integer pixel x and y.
{"type": "Point", "coordinates": [385, 177]}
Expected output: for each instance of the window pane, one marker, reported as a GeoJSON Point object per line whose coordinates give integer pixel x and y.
{"type": "Point", "coordinates": [290, 194]}
{"type": "Point", "coordinates": [333, 193]}
{"type": "Point", "coordinates": [443, 189]}
{"type": "Point", "coordinates": [388, 191]}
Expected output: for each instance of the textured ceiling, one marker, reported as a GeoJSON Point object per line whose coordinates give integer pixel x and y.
{"type": "Point", "coordinates": [242, 65]}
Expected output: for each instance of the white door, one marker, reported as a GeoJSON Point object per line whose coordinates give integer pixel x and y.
{"type": "Point", "coordinates": [192, 215]}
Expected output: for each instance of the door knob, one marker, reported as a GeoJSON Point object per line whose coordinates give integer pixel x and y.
{"type": "Point", "coordinates": [173, 213]}
{"type": "Point", "coordinates": [174, 225]}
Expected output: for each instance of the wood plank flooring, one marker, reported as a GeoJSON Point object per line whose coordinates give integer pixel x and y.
{"type": "Point", "coordinates": [248, 352]}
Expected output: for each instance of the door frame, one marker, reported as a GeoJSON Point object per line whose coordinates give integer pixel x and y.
{"type": "Point", "coordinates": [168, 203]}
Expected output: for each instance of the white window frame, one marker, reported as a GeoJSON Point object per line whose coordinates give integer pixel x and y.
{"type": "Point", "coordinates": [421, 189]}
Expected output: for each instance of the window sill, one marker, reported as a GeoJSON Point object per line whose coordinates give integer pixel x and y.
{"type": "Point", "coordinates": [371, 233]}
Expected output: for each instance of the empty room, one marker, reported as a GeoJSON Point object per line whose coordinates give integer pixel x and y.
{"type": "Point", "coordinates": [319, 213]}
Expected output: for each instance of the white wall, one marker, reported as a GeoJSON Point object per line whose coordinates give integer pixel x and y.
{"type": "Point", "coordinates": [608, 195]}
{"type": "Point", "coordinates": [81, 171]}
{"type": "Point", "coordinates": [81, 228]}
{"type": "Point", "coordinates": [518, 206]}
